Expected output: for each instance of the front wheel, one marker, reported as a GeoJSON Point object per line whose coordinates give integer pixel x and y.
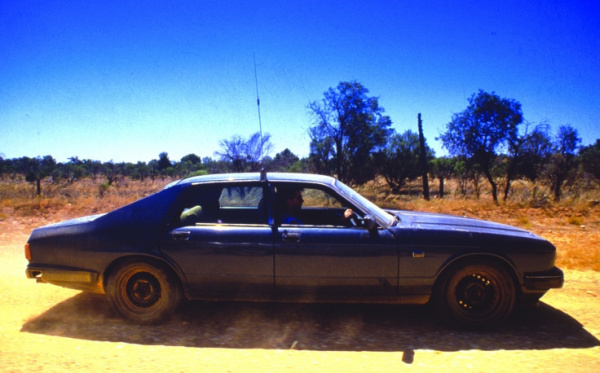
{"type": "Point", "coordinates": [143, 293]}
{"type": "Point", "coordinates": [476, 295]}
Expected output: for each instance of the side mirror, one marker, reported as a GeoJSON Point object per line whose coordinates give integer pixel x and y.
{"type": "Point", "coordinates": [369, 223]}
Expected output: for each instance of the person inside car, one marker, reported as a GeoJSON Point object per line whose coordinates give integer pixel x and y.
{"type": "Point", "coordinates": [291, 206]}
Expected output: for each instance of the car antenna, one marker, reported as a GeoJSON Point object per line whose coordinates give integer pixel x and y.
{"type": "Point", "coordinates": [258, 103]}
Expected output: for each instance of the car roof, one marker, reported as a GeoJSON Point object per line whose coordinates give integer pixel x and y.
{"type": "Point", "coordinates": [256, 176]}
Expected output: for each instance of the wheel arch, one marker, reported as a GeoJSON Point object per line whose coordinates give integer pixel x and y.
{"type": "Point", "coordinates": [482, 309]}
{"type": "Point", "coordinates": [472, 258]}
{"type": "Point", "coordinates": [172, 269]}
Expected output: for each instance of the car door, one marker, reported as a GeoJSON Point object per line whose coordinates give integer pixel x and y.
{"type": "Point", "coordinates": [320, 255]}
{"type": "Point", "coordinates": [223, 243]}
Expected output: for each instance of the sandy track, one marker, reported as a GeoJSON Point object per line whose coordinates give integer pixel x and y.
{"type": "Point", "coordinates": [51, 328]}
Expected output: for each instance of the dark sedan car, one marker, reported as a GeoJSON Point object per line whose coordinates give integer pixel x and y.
{"type": "Point", "coordinates": [290, 237]}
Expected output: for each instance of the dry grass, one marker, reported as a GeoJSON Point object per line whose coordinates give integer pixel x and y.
{"type": "Point", "coordinates": [572, 225]}
{"type": "Point", "coordinates": [21, 210]}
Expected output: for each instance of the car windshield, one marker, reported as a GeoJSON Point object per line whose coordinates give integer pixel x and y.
{"type": "Point", "coordinates": [373, 209]}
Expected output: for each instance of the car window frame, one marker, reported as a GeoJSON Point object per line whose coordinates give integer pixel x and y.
{"type": "Point", "coordinates": [173, 220]}
{"type": "Point", "coordinates": [307, 185]}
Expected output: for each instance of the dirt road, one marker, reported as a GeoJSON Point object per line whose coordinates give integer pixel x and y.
{"type": "Point", "coordinates": [48, 328]}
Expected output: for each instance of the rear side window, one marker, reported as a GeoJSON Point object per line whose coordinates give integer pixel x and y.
{"type": "Point", "coordinates": [241, 197]}
{"type": "Point", "coordinates": [224, 204]}
{"type": "Point", "coordinates": [242, 204]}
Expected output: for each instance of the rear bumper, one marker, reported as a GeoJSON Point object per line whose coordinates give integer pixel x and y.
{"type": "Point", "coordinates": [70, 278]}
{"type": "Point", "coordinates": [551, 279]}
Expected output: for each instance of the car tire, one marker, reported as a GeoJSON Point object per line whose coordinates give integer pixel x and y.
{"type": "Point", "coordinates": [476, 295]}
{"type": "Point", "coordinates": [143, 292]}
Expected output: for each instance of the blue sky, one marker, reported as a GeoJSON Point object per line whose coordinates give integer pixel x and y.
{"type": "Point", "coordinates": [127, 80]}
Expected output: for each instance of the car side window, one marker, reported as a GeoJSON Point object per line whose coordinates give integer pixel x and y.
{"type": "Point", "coordinates": [242, 204]}
{"type": "Point", "coordinates": [223, 204]}
{"type": "Point", "coordinates": [201, 205]}
{"type": "Point", "coordinates": [240, 197]}
{"type": "Point", "coordinates": [310, 206]}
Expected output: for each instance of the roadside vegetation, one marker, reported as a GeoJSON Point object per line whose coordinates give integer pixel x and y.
{"type": "Point", "coordinates": [573, 224]}
{"type": "Point", "coordinates": [500, 167]}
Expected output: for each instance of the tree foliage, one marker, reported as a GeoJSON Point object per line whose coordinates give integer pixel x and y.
{"type": "Point", "coordinates": [534, 153]}
{"type": "Point", "coordinates": [482, 130]}
{"type": "Point", "coordinates": [245, 155]}
{"type": "Point", "coordinates": [283, 161]}
{"type": "Point", "coordinates": [443, 169]}
{"type": "Point", "coordinates": [352, 139]}
{"type": "Point", "coordinates": [163, 161]}
{"type": "Point", "coordinates": [36, 169]}
{"type": "Point", "coordinates": [349, 127]}
{"type": "Point", "coordinates": [527, 154]}
{"type": "Point", "coordinates": [562, 165]}
{"type": "Point", "coordinates": [590, 159]}
{"type": "Point", "coordinates": [400, 161]}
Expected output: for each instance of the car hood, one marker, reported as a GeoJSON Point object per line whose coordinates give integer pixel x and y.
{"type": "Point", "coordinates": [431, 221]}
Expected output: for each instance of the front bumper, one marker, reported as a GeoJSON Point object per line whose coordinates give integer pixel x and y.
{"type": "Point", "coordinates": [551, 279]}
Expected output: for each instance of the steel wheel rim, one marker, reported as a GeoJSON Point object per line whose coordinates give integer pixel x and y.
{"type": "Point", "coordinates": [143, 290]}
{"type": "Point", "coordinates": [476, 294]}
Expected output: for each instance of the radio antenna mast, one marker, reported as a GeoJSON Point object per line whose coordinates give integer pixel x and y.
{"type": "Point", "coordinates": [258, 102]}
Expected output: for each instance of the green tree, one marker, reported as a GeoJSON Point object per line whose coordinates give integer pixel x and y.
{"type": "Point", "coordinates": [215, 167]}
{"type": "Point", "coordinates": [534, 153]}
{"type": "Point", "coordinates": [443, 169]}
{"type": "Point", "coordinates": [74, 170]}
{"type": "Point", "coordinates": [163, 161]}
{"type": "Point", "coordinates": [165, 166]}
{"type": "Point", "coordinates": [465, 170]}
{"type": "Point", "coordinates": [283, 161]}
{"type": "Point", "coordinates": [93, 168]}
{"type": "Point", "coordinates": [480, 132]}
{"type": "Point", "coordinates": [36, 169]}
{"type": "Point", "coordinates": [189, 164]}
{"type": "Point", "coordinates": [348, 128]}
{"type": "Point", "coordinates": [141, 171]}
{"type": "Point", "coordinates": [563, 163]}
{"type": "Point", "coordinates": [110, 172]}
{"type": "Point", "coordinates": [590, 159]}
{"type": "Point", "coordinates": [399, 162]}
{"type": "Point", "coordinates": [153, 169]}
{"type": "Point", "coordinates": [322, 154]}
{"type": "Point", "coordinates": [192, 159]}
{"type": "Point", "coordinates": [526, 153]}
{"type": "Point", "coordinates": [130, 169]}
{"type": "Point", "coordinates": [5, 166]}
{"type": "Point", "coordinates": [301, 166]}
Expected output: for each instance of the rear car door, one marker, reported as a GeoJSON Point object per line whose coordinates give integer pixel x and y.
{"type": "Point", "coordinates": [222, 242]}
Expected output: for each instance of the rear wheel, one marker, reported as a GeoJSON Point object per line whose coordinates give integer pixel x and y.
{"type": "Point", "coordinates": [476, 295]}
{"type": "Point", "coordinates": [143, 293]}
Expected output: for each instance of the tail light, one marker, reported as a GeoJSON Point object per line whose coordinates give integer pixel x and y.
{"type": "Point", "coordinates": [28, 252]}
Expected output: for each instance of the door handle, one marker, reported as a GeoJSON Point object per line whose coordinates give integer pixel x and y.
{"type": "Point", "coordinates": [290, 237]}
{"type": "Point", "coordinates": [181, 235]}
